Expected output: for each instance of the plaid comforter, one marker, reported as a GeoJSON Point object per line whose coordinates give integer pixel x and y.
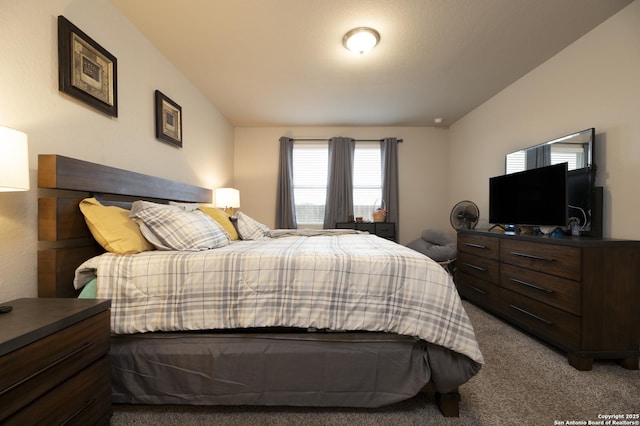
{"type": "Point", "coordinates": [335, 282]}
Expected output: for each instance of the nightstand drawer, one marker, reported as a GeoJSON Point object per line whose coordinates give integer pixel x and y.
{"type": "Point", "coordinates": [31, 371]}
{"type": "Point", "coordinates": [562, 261]}
{"type": "Point", "coordinates": [479, 245]}
{"type": "Point", "coordinates": [381, 229]}
{"type": "Point", "coordinates": [386, 230]}
{"type": "Point", "coordinates": [80, 400]}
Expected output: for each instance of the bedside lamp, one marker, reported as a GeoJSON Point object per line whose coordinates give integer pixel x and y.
{"type": "Point", "coordinates": [14, 161]}
{"type": "Point", "coordinates": [228, 199]}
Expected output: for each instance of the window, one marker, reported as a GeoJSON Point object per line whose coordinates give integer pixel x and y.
{"type": "Point", "coordinates": [367, 179]}
{"type": "Point", "coordinates": [310, 168]}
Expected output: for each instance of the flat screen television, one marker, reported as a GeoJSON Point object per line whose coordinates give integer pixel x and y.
{"type": "Point", "coordinates": [536, 197]}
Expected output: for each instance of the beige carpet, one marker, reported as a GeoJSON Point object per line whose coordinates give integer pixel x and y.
{"type": "Point", "coordinates": [524, 382]}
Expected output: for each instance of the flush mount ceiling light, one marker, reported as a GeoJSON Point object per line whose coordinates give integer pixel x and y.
{"type": "Point", "coordinates": [361, 40]}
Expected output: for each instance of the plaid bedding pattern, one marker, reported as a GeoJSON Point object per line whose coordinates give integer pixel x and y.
{"type": "Point", "coordinates": [335, 282]}
{"type": "Point", "coordinates": [172, 228]}
{"type": "Point", "coordinates": [249, 228]}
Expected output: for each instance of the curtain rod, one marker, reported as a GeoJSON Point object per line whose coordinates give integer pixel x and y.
{"type": "Point", "coordinates": [327, 140]}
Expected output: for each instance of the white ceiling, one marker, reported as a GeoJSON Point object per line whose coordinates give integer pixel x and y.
{"type": "Point", "coordinates": [282, 63]}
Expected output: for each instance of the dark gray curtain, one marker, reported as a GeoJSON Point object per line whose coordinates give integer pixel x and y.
{"type": "Point", "coordinates": [538, 157]}
{"type": "Point", "coordinates": [389, 158]}
{"type": "Point", "coordinates": [339, 203]}
{"type": "Point", "coordinates": [285, 203]}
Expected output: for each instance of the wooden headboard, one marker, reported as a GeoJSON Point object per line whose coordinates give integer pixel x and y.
{"type": "Point", "coordinates": [65, 240]}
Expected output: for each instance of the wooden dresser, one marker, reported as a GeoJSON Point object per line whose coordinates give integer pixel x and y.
{"type": "Point", "coordinates": [54, 363]}
{"type": "Point", "coordinates": [581, 295]}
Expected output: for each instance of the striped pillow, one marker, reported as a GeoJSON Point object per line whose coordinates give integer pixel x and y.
{"type": "Point", "coordinates": [249, 228]}
{"type": "Point", "coordinates": [171, 228]}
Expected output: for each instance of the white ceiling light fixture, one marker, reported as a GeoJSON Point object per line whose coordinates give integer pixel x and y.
{"type": "Point", "coordinates": [361, 40]}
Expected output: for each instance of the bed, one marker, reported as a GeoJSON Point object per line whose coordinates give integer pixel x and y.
{"type": "Point", "coordinates": [353, 342]}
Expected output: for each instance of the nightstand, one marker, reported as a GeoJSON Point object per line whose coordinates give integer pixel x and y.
{"type": "Point", "coordinates": [54, 363]}
{"type": "Point", "coordinates": [381, 229]}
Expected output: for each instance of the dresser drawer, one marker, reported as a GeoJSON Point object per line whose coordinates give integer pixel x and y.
{"type": "Point", "coordinates": [479, 267]}
{"type": "Point", "coordinates": [546, 320]}
{"type": "Point", "coordinates": [31, 371]}
{"type": "Point", "coordinates": [558, 292]}
{"type": "Point", "coordinates": [477, 290]}
{"type": "Point", "coordinates": [552, 259]}
{"type": "Point", "coordinates": [77, 401]}
{"type": "Point", "coordinates": [479, 245]}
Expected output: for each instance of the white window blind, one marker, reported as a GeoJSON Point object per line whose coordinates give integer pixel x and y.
{"type": "Point", "coordinates": [367, 179]}
{"type": "Point", "coordinates": [567, 153]}
{"type": "Point", "coordinates": [310, 169]}
{"type": "Point", "coordinates": [561, 153]}
{"type": "Point", "coordinates": [516, 163]}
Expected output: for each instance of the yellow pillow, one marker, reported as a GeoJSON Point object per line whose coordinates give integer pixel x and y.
{"type": "Point", "coordinates": [112, 228]}
{"type": "Point", "coordinates": [222, 218]}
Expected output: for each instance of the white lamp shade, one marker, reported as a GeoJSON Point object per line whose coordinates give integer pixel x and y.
{"type": "Point", "coordinates": [227, 197]}
{"type": "Point", "coordinates": [14, 160]}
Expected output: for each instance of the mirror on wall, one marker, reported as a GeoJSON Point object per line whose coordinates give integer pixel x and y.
{"type": "Point", "coordinates": [575, 149]}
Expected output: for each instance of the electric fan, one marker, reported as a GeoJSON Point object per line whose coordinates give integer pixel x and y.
{"type": "Point", "coordinates": [464, 215]}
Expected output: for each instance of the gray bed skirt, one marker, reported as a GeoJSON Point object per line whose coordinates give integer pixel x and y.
{"type": "Point", "coordinates": [288, 369]}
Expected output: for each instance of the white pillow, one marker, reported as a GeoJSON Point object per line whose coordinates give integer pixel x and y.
{"type": "Point", "coordinates": [249, 228]}
{"type": "Point", "coordinates": [171, 228]}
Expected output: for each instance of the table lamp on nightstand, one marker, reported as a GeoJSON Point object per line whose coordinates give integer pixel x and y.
{"type": "Point", "coordinates": [14, 161]}
{"type": "Point", "coordinates": [228, 199]}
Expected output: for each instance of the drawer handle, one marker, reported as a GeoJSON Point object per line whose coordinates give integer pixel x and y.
{"type": "Point", "coordinates": [531, 256]}
{"type": "Point", "coordinates": [48, 367]}
{"type": "Point", "coordinates": [477, 289]}
{"type": "Point", "coordinates": [475, 245]}
{"type": "Point", "coordinates": [515, 280]}
{"type": "Point", "coordinates": [477, 268]}
{"type": "Point", "coordinates": [531, 315]}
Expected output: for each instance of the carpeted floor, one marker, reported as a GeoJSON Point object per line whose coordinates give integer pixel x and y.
{"type": "Point", "coordinates": [524, 382]}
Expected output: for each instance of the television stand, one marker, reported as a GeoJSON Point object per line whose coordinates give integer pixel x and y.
{"type": "Point", "coordinates": [580, 294]}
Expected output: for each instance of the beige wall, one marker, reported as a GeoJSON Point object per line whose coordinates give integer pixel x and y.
{"type": "Point", "coordinates": [422, 171]}
{"type": "Point", "coordinates": [55, 123]}
{"type": "Point", "coordinates": [595, 82]}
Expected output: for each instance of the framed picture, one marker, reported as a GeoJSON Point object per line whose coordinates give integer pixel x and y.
{"type": "Point", "coordinates": [168, 120]}
{"type": "Point", "coordinates": [86, 70]}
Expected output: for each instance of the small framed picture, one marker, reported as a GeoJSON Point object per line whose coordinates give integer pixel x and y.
{"type": "Point", "coordinates": [168, 120]}
{"type": "Point", "coordinates": [86, 70]}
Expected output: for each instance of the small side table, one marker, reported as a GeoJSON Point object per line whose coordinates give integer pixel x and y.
{"type": "Point", "coordinates": [54, 362]}
{"type": "Point", "coordinates": [382, 229]}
